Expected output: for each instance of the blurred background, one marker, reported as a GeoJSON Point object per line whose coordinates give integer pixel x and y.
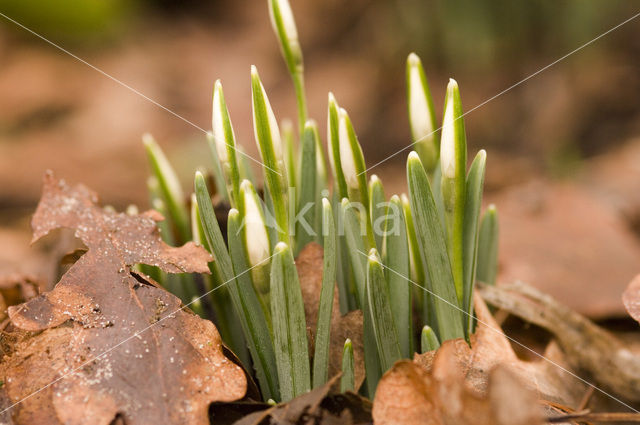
{"type": "Point", "coordinates": [563, 147]}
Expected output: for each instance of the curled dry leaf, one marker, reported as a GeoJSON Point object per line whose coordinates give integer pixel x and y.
{"type": "Point", "coordinates": [309, 265]}
{"type": "Point", "coordinates": [631, 298]}
{"type": "Point", "coordinates": [103, 348]}
{"type": "Point", "coordinates": [408, 394]}
{"type": "Point", "coordinates": [587, 347]}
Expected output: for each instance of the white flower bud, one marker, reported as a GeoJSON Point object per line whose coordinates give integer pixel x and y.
{"type": "Point", "coordinates": [257, 239]}
{"type": "Point", "coordinates": [448, 140]}
{"type": "Point", "coordinates": [217, 124]}
{"type": "Point", "coordinates": [419, 112]}
{"type": "Point", "coordinates": [347, 159]}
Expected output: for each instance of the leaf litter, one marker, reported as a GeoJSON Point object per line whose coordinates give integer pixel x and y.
{"type": "Point", "coordinates": [97, 347]}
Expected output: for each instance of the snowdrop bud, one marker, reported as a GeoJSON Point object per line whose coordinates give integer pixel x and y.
{"type": "Point", "coordinates": [272, 122]}
{"type": "Point", "coordinates": [448, 142]}
{"type": "Point", "coordinates": [285, 28]}
{"type": "Point", "coordinates": [421, 115]}
{"type": "Point", "coordinates": [256, 237]}
{"type": "Point", "coordinates": [217, 122]}
{"type": "Point", "coordinates": [347, 157]}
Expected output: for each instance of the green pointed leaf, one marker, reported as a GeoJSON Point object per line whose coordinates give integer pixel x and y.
{"type": "Point", "coordinates": [333, 136]}
{"type": "Point", "coordinates": [289, 325]}
{"type": "Point", "coordinates": [378, 209]}
{"type": "Point", "coordinates": [475, 184]}
{"type": "Point", "coordinates": [347, 380]}
{"type": "Point", "coordinates": [433, 250]}
{"type": "Point", "coordinates": [307, 197]}
{"type": "Point", "coordinates": [428, 340]}
{"type": "Point", "coordinates": [169, 186]}
{"type": "Point", "coordinates": [323, 332]}
{"type": "Point", "coordinates": [379, 310]}
{"type": "Point", "coordinates": [396, 257]}
{"type": "Point", "coordinates": [353, 232]}
{"type": "Point", "coordinates": [268, 139]}
{"type": "Point", "coordinates": [236, 277]}
{"type": "Point", "coordinates": [488, 247]}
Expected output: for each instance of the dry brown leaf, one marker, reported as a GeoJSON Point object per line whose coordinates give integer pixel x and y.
{"type": "Point", "coordinates": [153, 370]}
{"type": "Point", "coordinates": [309, 265]}
{"type": "Point", "coordinates": [408, 394]}
{"type": "Point", "coordinates": [586, 346]}
{"type": "Point", "coordinates": [631, 298]}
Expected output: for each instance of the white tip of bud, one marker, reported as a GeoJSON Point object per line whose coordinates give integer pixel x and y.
{"type": "Point", "coordinates": [286, 15]}
{"type": "Point", "coordinates": [281, 246]}
{"type": "Point", "coordinates": [217, 124]}
{"type": "Point", "coordinates": [347, 159]}
{"type": "Point", "coordinates": [448, 140]}
{"type": "Point", "coordinates": [419, 111]}
{"type": "Point", "coordinates": [413, 155]}
{"type": "Point", "coordinates": [255, 230]}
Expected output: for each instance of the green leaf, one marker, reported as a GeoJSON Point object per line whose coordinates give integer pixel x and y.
{"type": "Point", "coordinates": [422, 116]}
{"type": "Point", "coordinates": [236, 277]}
{"type": "Point", "coordinates": [323, 331]}
{"type": "Point", "coordinates": [428, 340]}
{"type": "Point", "coordinates": [347, 380]}
{"type": "Point", "coordinates": [169, 186]}
{"type": "Point", "coordinates": [268, 139]}
{"type": "Point", "coordinates": [218, 174]}
{"type": "Point", "coordinates": [378, 209]}
{"type": "Point", "coordinates": [488, 246]}
{"type": "Point", "coordinates": [307, 197]}
{"type": "Point", "coordinates": [379, 310]}
{"type": "Point", "coordinates": [290, 155]}
{"type": "Point", "coordinates": [475, 184]}
{"type": "Point", "coordinates": [289, 325]}
{"type": "Point", "coordinates": [333, 136]}
{"type": "Point", "coordinates": [353, 232]}
{"type": "Point", "coordinates": [433, 250]}
{"type": "Point", "coordinates": [453, 162]}
{"type": "Point", "coordinates": [396, 257]}
{"type": "Point", "coordinates": [352, 160]}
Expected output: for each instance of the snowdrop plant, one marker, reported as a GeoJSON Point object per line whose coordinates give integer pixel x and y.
{"type": "Point", "coordinates": [408, 261]}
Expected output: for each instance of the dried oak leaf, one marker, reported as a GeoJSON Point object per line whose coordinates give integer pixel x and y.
{"type": "Point", "coordinates": [408, 394]}
{"type": "Point", "coordinates": [309, 265]}
{"type": "Point", "coordinates": [103, 349]}
{"type": "Point", "coordinates": [631, 298]}
{"type": "Point", "coordinates": [587, 347]}
{"type": "Point", "coordinates": [321, 406]}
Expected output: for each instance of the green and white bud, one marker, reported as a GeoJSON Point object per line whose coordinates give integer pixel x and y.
{"type": "Point", "coordinates": [421, 113]}
{"type": "Point", "coordinates": [453, 145]}
{"type": "Point", "coordinates": [217, 123]}
{"type": "Point", "coordinates": [255, 231]}
{"type": "Point", "coordinates": [276, 140]}
{"type": "Point", "coordinates": [347, 155]}
{"type": "Point", "coordinates": [284, 26]}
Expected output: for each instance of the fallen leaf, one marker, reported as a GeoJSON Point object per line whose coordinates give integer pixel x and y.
{"type": "Point", "coordinates": [631, 298]}
{"type": "Point", "coordinates": [309, 265]}
{"type": "Point", "coordinates": [322, 406]}
{"type": "Point", "coordinates": [586, 346]}
{"type": "Point", "coordinates": [110, 343]}
{"type": "Point", "coordinates": [408, 394]}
